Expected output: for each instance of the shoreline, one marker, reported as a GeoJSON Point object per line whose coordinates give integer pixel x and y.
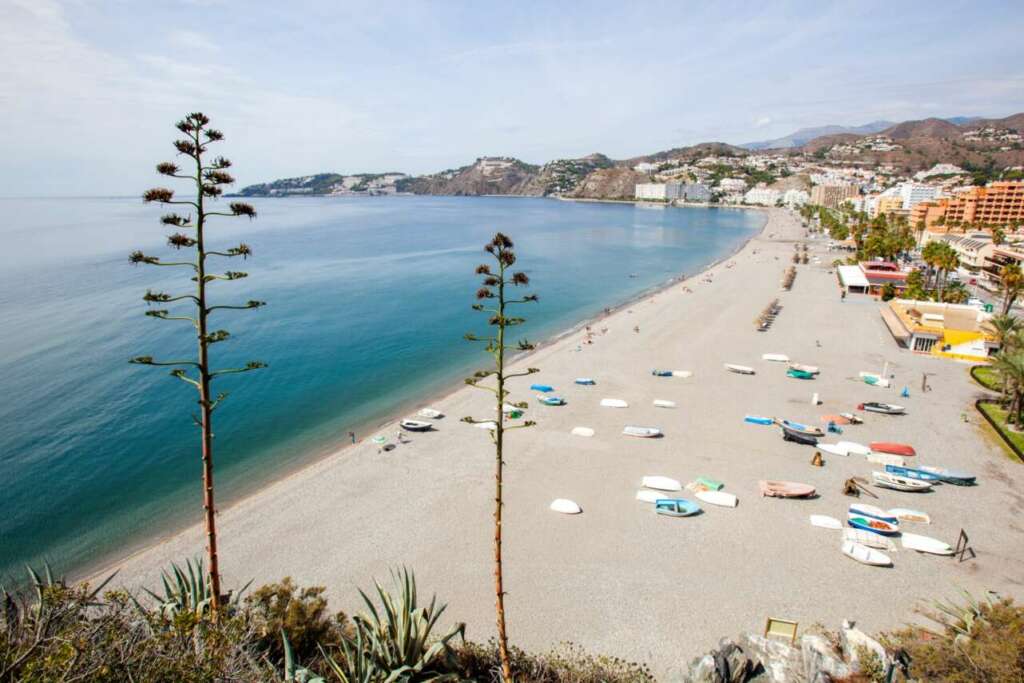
{"type": "Point", "coordinates": [103, 566]}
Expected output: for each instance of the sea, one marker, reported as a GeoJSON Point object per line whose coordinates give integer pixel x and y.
{"type": "Point", "coordinates": [368, 300]}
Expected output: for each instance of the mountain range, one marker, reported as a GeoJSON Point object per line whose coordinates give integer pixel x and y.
{"type": "Point", "coordinates": [906, 147]}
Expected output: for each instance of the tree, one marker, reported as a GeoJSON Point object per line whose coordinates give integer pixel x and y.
{"type": "Point", "coordinates": [1013, 281]}
{"type": "Point", "coordinates": [209, 176]}
{"type": "Point", "coordinates": [915, 286]}
{"type": "Point", "coordinates": [501, 249]}
{"type": "Point", "coordinates": [1005, 330]}
{"type": "Point", "coordinates": [998, 236]}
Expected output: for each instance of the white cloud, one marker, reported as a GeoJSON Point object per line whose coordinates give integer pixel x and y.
{"type": "Point", "coordinates": [762, 122]}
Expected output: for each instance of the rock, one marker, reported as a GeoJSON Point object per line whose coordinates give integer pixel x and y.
{"type": "Point", "coordinates": [822, 663]}
{"type": "Point", "coordinates": [853, 638]}
{"type": "Point", "coordinates": [726, 664]}
{"type": "Point", "coordinates": [781, 661]}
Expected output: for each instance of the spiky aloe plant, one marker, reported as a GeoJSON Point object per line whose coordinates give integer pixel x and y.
{"type": "Point", "coordinates": [496, 289]}
{"type": "Point", "coordinates": [209, 178]}
{"type": "Point", "coordinates": [189, 590]}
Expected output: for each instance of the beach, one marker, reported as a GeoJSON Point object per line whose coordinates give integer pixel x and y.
{"type": "Point", "coordinates": [619, 579]}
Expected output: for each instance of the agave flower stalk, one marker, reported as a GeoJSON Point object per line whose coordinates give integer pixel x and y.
{"type": "Point", "coordinates": [497, 287]}
{"type": "Point", "coordinates": [209, 176]}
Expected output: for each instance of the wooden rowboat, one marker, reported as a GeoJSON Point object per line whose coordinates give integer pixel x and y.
{"type": "Point", "coordinates": [614, 403]}
{"type": "Point", "coordinates": [925, 544]}
{"type": "Point", "coordinates": [661, 483]}
{"type": "Point", "coordinates": [430, 413]}
{"type": "Point", "coordinates": [415, 425]}
{"type": "Point", "coordinates": [799, 374]}
{"type": "Point", "coordinates": [676, 507]}
{"type": "Point", "coordinates": [802, 428]}
{"type": "Point", "coordinates": [869, 539]}
{"type": "Point", "coordinates": [785, 489]}
{"type": "Point", "coordinates": [835, 419]}
{"type": "Point", "coordinates": [906, 450]}
{"type": "Point", "coordinates": [957, 477]}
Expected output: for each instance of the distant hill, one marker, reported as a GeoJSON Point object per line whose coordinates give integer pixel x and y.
{"type": "Point", "coordinates": [487, 175]}
{"type": "Point", "coordinates": [325, 184]}
{"type": "Point", "coordinates": [926, 128]}
{"type": "Point", "coordinates": [805, 135]}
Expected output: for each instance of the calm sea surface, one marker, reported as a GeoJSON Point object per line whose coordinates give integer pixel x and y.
{"type": "Point", "coordinates": [368, 300]}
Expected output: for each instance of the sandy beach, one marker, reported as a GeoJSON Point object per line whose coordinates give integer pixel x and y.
{"type": "Point", "coordinates": [619, 579]}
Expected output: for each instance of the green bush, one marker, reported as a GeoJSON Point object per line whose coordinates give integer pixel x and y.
{"type": "Point", "coordinates": [568, 663]}
{"type": "Point", "coordinates": [302, 613]}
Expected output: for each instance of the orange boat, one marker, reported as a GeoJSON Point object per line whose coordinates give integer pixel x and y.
{"type": "Point", "coordinates": [894, 448]}
{"type": "Point", "coordinates": [785, 489]}
{"type": "Point", "coordinates": [838, 419]}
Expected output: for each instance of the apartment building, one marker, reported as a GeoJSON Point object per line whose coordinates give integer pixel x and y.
{"type": "Point", "coordinates": [664, 192]}
{"type": "Point", "coordinates": [762, 196]}
{"type": "Point", "coordinates": [998, 203]}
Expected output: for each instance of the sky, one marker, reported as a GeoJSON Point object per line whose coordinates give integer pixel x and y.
{"type": "Point", "coordinates": [90, 89]}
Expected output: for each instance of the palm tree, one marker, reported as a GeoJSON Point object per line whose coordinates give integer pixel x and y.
{"type": "Point", "coordinates": [998, 236]}
{"type": "Point", "coordinates": [1004, 329]}
{"type": "Point", "coordinates": [1010, 368]}
{"type": "Point", "coordinates": [1013, 282]}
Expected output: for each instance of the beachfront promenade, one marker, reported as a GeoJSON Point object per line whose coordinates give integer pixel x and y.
{"type": "Point", "coordinates": [619, 579]}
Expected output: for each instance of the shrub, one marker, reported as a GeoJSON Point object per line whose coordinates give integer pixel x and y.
{"type": "Point", "coordinates": [567, 663]}
{"type": "Point", "coordinates": [302, 613]}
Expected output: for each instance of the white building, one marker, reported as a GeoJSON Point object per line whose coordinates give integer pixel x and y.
{"type": "Point", "coordinates": [645, 168]}
{"type": "Point", "coordinates": [764, 196]}
{"type": "Point", "coordinates": [915, 193]}
{"type": "Point", "coordinates": [793, 198]}
{"type": "Point", "coordinates": [732, 185]}
{"type": "Point", "coordinates": [696, 192]}
{"type": "Point", "coordinates": [665, 192]}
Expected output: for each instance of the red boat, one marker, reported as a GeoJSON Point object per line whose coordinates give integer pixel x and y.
{"type": "Point", "coordinates": [894, 448]}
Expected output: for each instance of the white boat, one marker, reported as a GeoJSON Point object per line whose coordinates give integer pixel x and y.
{"type": "Point", "coordinates": [908, 515]}
{"type": "Point", "coordinates": [649, 496]}
{"type": "Point", "coordinates": [866, 555]}
{"type": "Point", "coordinates": [721, 498]}
{"type": "Point", "coordinates": [898, 483]}
{"type": "Point", "coordinates": [874, 379]}
{"type": "Point", "coordinates": [826, 522]}
{"type": "Point", "coordinates": [430, 413]}
{"type": "Point", "coordinates": [886, 459]}
{"type": "Point", "coordinates": [813, 369]}
{"type": "Point", "coordinates": [833, 449]}
{"type": "Point", "coordinates": [661, 483]}
{"type": "Point", "coordinates": [509, 408]}
{"type": "Point", "coordinates": [582, 431]}
{"type": "Point", "coordinates": [416, 425]}
{"type": "Point", "coordinates": [854, 447]}
{"type": "Point", "coordinates": [869, 539]}
{"type": "Point", "coordinates": [739, 369]}
{"type": "Point", "coordinates": [642, 432]}
{"type": "Point", "coordinates": [486, 425]}
{"type": "Point", "coordinates": [682, 373]}
{"type": "Point", "coordinates": [868, 510]}
{"type": "Point", "coordinates": [614, 403]}
{"type": "Point", "coordinates": [925, 544]}
{"type": "Point", "coordinates": [565, 506]}
{"type": "Point", "coordinates": [662, 403]}
{"type": "Point", "coordinates": [775, 357]}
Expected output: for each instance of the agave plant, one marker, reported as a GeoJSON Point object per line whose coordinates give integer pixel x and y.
{"type": "Point", "coordinates": [960, 619]}
{"type": "Point", "coordinates": [398, 637]}
{"type": "Point", "coordinates": [189, 590]}
{"type": "Point", "coordinates": [357, 665]}
{"type": "Point", "coordinates": [293, 672]}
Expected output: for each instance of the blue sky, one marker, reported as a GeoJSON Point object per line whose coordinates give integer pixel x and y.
{"type": "Point", "coordinates": [89, 89]}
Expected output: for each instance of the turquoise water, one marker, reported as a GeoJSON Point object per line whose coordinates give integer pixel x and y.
{"type": "Point", "coordinates": [368, 301]}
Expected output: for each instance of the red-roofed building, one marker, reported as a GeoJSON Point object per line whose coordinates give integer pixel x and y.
{"type": "Point", "coordinates": [869, 277]}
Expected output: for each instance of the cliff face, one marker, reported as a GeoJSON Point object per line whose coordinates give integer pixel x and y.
{"type": "Point", "coordinates": [609, 183]}
{"type": "Point", "coordinates": [488, 175]}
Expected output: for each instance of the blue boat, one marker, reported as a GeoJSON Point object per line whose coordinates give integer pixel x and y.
{"type": "Point", "coordinates": [661, 373]}
{"type": "Point", "coordinates": [551, 400]}
{"type": "Point", "coordinates": [758, 420]}
{"type": "Point", "coordinates": [676, 507]}
{"type": "Point", "coordinates": [911, 473]}
{"type": "Point", "coordinates": [585, 381]}
{"type": "Point", "coordinates": [875, 526]}
{"type": "Point", "coordinates": [865, 510]}
{"type": "Point", "coordinates": [541, 387]}
{"type": "Point", "coordinates": [956, 477]}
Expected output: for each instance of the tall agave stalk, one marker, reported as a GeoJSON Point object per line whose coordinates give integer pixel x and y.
{"type": "Point", "coordinates": [496, 289]}
{"type": "Point", "coordinates": [208, 177]}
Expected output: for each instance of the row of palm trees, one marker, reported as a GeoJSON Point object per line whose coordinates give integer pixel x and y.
{"type": "Point", "coordinates": [1008, 331]}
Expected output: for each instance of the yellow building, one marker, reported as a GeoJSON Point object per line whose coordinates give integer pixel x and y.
{"type": "Point", "coordinates": [888, 205]}
{"type": "Point", "coordinates": [946, 330]}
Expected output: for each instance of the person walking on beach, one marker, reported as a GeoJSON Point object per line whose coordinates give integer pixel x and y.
{"type": "Point", "coordinates": [842, 296]}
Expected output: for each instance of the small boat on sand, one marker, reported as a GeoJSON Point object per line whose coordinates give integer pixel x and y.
{"type": "Point", "coordinates": [866, 555]}
{"type": "Point", "coordinates": [415, 425]}
{"type": "Point", "coordinates": [676, 507]}
{"type": "Point", "coordinates": [833, 449]}
{"type": "Point", "coordinates": [545, 388]}
{"type": "Point", "coordinates": [925, 544]}
{"type": "Point", "coordinates": [614, 403]}
{"type": "Point", "coordinates": [874, 379]}
{"type": "Point", "coordinates": [867, 510]}
{"type": "Point", "coordinates": [682, 373]}
{"type": "Point", "coordinates": [551, 400]}
{"type": "Point", "coordinates": [826, 522]}
{"type": "Point", "coordinates": [906, 450]}
{"type": "Point", "coordinates": [759, 420]}
{"type": "Point", "coordinates": [854, 448]}
{"type": "Point", "coordinates": [799, 374]}
{"type": "Point", "coordinates": [813, 369]}
{"type": "Point", "coordinates": [886, 459]}
{"type": "Point", "coordinates": [642, 432]}
{"type": "Point", "coordinates": [661, 373]}
{"type": "Point", "coordinates": [739, 369]}
{"type": "Point", "coordinates": [908, 515]}
{"type": "Point", "coordinates": [784, 489]}
{"type": "Point", "coordinates": [662, 403]}
{"type": "Point", "coordinates": [775, 357]}
{"type": "Point", "coordinates": [911, 473]}
{"type": "Point", "coordinates": [720, 498]}
{"type": "Point", "coordinates": [957, 477]}
{"type": "Point", "coordinates": [802, 428]}
{"type": "Point", "coordinates": [430, 413]}
{"type": "Point", "coordinates": [802, 438]}
{"type": "Point", "coordinates": [661, 483]}
{"type": "Point", "coordinates": [585, 381]}
{"type": "Point", "coordinates": [898, 483]}
{"type": "Point", "coordinates": [883, 408]}
{"type": "Point", "coordinates": [582, 431]}
{"type": "Point", "coordinates": [853, 418]}
{"type": "Point", "coordinates": [873, 525]}
{"type": "Point", "coordinates": [565, 506]}
{"type": "Point", "coordinates": [871, 540]}
{"type": "Point", "coordinates": [649, 496]}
